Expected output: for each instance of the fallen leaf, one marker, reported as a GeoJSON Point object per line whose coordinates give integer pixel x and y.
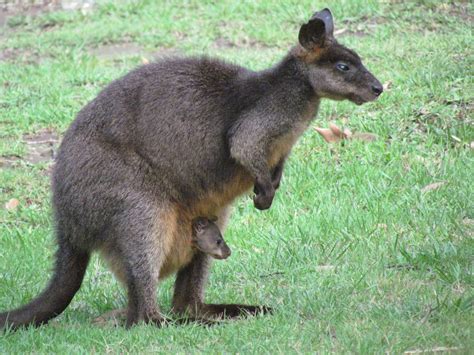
{"type": "Point", "coordinates": [335, 134]}
{"type": "Point", "coordinates": [340, 31]}
{"type": "Point", "coordinates": [336, 130]}
{"type": "Point", "coordinates": [12, 204]}
{"type": "Point", "coordinates": [327, 135]}
{"type": "Point", "coordinates": [325, 267]}
{"type": "Point", "coordinates": [387, 85]}
{"type": "Point", "coordinates": [433, 186]}
{"type": "Point", "coordinates": [145, 61]}
{"type": "Point", "coordinates": [468, 222]}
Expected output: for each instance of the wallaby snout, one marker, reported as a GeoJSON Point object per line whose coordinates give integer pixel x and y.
{"type": "Point", "coordinates": [366, 87]}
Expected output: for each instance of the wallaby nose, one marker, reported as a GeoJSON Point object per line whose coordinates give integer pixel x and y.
{"type": "Point", "coordinates": [377, 89]}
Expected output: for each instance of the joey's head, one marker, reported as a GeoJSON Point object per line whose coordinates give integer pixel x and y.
{"type": "Point", "coordinates": [334, 71]}
{"type": "Point", "coordinates": [208, 238]}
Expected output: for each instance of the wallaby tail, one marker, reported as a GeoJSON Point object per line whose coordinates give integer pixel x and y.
{"type": "Point", "coordinates": [68, 274]}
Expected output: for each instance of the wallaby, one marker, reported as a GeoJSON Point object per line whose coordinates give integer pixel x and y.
{"type": "Point", "coordinates": [208, 239]}
{"type": "Point", "coordinates": [172, 141]}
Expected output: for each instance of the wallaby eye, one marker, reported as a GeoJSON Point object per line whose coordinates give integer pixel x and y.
{"type": "Point", "coordinates": [219, 242]}
{"type": "Point", "coordinates": [342, 67]}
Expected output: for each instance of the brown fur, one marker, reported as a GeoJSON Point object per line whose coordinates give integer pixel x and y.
{"type": "Point", "coordinates": [172, 141]}
{"type": "Point", "coordinates": [308, 56]}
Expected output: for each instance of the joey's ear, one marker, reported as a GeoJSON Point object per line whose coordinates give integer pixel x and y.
{"type": "Point", "coordinates": [317, 31]}
{"type": "Point", "coordinates": [200, 223]}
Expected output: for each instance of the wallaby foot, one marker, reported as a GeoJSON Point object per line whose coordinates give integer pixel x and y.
{"type": "Point", "coordinates": [142, 305]}
{"type": "Point", "coordinates": [230, 311]}
{"type": "Point", "coordinates": [189, 295]}
{"type": "Point", "coordinates": [208, 312]}
{"type": "Point", "coordinates": [139, 260]}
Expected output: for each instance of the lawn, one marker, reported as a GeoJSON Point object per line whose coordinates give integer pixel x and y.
{"type": "Point", "coordinates": [368, 247]}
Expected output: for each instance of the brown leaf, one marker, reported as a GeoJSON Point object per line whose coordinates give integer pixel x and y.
{"type": "Point", "coordinates": [325, 267]}
{"type": "Point", "coordinates": [328, 135]}
{"type": "Point", "coordinates": [336, 130]}
{"type": "Point", "coordinates": [335, 134]}
{"type": "Point", "coordinates": [457, 139]}
{"type": "Point", "coordinates": [12, 204]}
{"type": "Point", "coordinates": [433, 186]}
{"type": "Point", "coordinates": [340, 31]}
{"type": "Point", "coordinates": [387, 85]}
{"type": "Point", "coordinates": [468, 222]}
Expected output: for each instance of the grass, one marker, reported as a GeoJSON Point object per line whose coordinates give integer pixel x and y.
{"type": "Point", "coordinates": [353, 255]}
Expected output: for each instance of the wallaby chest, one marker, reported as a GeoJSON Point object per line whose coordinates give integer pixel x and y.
{"type": "Point", "coordinates": [282, 145]}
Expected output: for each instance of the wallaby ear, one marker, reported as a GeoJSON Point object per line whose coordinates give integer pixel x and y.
{"type": "Point", "coordinates": [326, 16]}
{"type": "Point", "coordinates": [317, 31]}
{"type": "Point", "coordinates": [200, 223]}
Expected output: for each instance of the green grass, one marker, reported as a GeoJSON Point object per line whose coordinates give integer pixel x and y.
{"type": "Point", "coordinates": [353, 255]}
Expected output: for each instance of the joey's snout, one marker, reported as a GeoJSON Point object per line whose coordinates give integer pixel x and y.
{"type": "Point", "coordinates": [223, 253]}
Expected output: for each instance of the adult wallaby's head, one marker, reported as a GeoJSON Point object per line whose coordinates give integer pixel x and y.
{"type": "Point", "coordinates": [334, 71]}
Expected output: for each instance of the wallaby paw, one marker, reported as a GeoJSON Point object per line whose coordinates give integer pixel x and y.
{"type": "Point", "coordinates": [263, 202]}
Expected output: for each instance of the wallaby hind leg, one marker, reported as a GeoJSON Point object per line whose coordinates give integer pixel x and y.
{"type": "Point", "coordinates": [141, 288]}
{"type": "Point", "coordinates": [189, 294]}
{"type": "Point", "coordinates": [139, 254]}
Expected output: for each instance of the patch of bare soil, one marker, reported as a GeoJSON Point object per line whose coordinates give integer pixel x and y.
{"type": "Point", "coordinates": [347, 32]}
{"type": "Point", "coordinates": [24, 56]}
{"type": "Point", "coordinates": [458, 9]}
{"type": "Point", "coordinates": [240, 43]}
{"type": "Point", "coordinates": [9, 9]}
{"type": "Point", "coordinates": [116, 50]}
{"type": "Point", "coordinates": [41, 148]}
{"type": "Point", "coordinates": [361, 27]}
{"type": "Point", "coordinates": [32, 8]}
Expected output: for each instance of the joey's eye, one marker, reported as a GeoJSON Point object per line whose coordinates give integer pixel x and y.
{"type": "Point", "coordinates": [219, 242]}
{"type": "Point", "coordinates": [342, 67]}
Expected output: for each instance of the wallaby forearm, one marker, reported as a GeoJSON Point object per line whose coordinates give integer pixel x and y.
{"type": "Point", "coordinates": [249, 143]}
